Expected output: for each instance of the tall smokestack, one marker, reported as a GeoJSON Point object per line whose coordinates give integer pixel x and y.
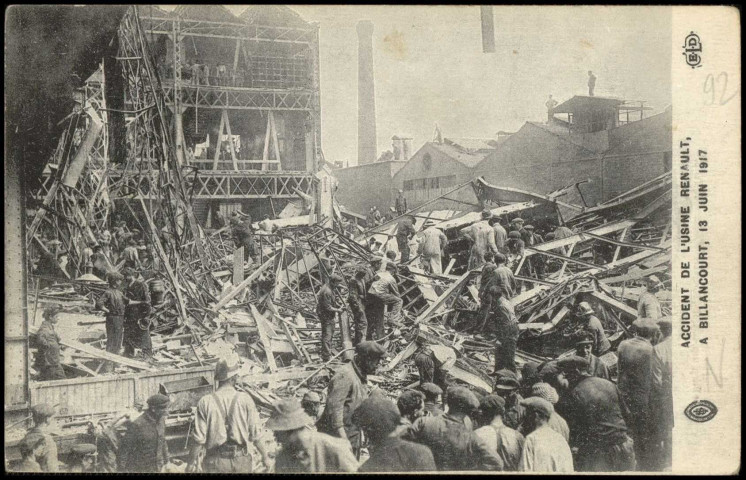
{"type": "Point", "coordinates": [366, 95]}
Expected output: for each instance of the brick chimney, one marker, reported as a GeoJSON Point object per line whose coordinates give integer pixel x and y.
{"type": "Point", "coordinates": [366, 95]}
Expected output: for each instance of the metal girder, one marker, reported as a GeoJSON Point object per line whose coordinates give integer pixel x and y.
{"type": "Point", "coordinates": [208, 96]}
{"type": "Point", "coordinates": [243, 31]}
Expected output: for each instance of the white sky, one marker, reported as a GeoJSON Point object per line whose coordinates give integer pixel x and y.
{"type": "Point", "coordinates": [429, 66]}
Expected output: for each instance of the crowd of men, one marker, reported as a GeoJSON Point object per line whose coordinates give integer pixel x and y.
{"type": "Point", "coordinates": [564, 415]}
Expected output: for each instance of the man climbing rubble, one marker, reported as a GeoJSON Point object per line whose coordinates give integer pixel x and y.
{"type": "Point", "coordinates": [482, 237]}
{"type": "Point", "coordinates": [383, 292]}
{"type": "Point", "coordinates": [347, 390]}
{"type": "Point", "coordinates": [506, 326]}
{"type": "Point", "coordinates": [225, 423]}
{"type": "Point", "coordinates": [327, 309]}
{"type": "Point", "coordinates": [430, 361]}
{"type": "Point", "coordinates": [356, 299]}
{"type": "Point", "coordinates": [432, 245]}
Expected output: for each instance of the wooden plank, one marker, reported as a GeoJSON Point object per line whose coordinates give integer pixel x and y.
{"type": "Point", "coordinates": [238, 268]}
{"type": "Point", "coordinates": [400, 357]}
{"type": "Point", "coordinates": [239, 288]}
{"type": "Point", "coordinates": [616, 304]}
{"type": "Point", "coordinates": [218, 142]}
{"type": "Point", "coordinates": [106, 355]}
{"type": "Point", "coordinates": [280, 375]}
{"type": "Point", "coordinates": [264, 334]}
{"type": "Point", "coordinates": [442, 299]}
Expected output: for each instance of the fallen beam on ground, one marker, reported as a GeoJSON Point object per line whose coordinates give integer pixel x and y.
{"type": "Point", "coordinates": [128, 362]}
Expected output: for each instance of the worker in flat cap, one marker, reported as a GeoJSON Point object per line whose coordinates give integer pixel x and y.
{"type": "Point", "coordinates": [405, 231]}
{"type": "Point", "coordinates": [544, 451]}
{"type": "Point", "coordinates": [516, 250]}
{"type": "Point", "coordinates": [143, 448]}
{"type": "Point", "coordinates": [48, 346]}
{"type": "Point", "coordinates": [506, 386]}
{"type": "Point", "coordinates": [83, 458]}
{"type": "Point", "coordinates": [506, 441]}
{"type": "Point", "coordinates": [595, 412]}
{"type": "Point", "coordinates": [131, 255]}
{"type": "Point", "coordinates": [451, 438]}
{"type": "Point", "coordinates": [41, 415]}
{"type": "Point", "coordinates": [328, 306]}
{"type": "Point", "coordinates": [433, 399]}
{"type": "Point", "coordinates": [226, 424]}
{"type": "Point", "coordinates": [661, 398]}
{"type": "Point", "coordinates": [584, 348]}
{"type": "Point", "coordinates": [648, 305]}
{"type": "Point", "coordinates": [32, 448]}
{"type": "Point", "coordinates": [411, 405]}
{"type": "Point", "coordinates": [135, 315]}
{"type": "Point", "coordinates": [347, 389]}
{"type": "Point", "coordinates": [591, 324]}
{"type": "Point", "coordinates": [556, 422]}
{"type": "Point", "coordinates": [378, 418]}
{"type": "Point", "coordinates": [506, 327]}
{"type": "Point", "coordinates": [635, 384]}
{"type": "Point", "coordinates": [482, 238]}
{"type": "Point", "coordinates": [311, 404]}
{"type": "Point", "coordinates": [304, 450]}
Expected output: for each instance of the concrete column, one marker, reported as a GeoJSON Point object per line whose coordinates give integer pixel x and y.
{"type": "Point", "coordinates": [366, 96]}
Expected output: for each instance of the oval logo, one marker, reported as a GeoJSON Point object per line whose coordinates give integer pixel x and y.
{"type": "Point", "coordinates": [701, 411]}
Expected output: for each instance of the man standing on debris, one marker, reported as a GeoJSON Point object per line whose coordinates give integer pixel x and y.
{"type": "Point", "coordinates": [304, 450]}
{"type": "Point", "coordinates": [48, 349]}
{"type": "Point", "coordinates": [113, 303]}
{"type": "Point", "coordinates": [451, 438]}
{"type": "Point", "coordinates": [42, 415]}
{"type": "Point", "coordinates": [225, 424]}
{"type": "Point", "coordinates": [401, 203]}
{"type": "Point", "coordinates": [370, 219]}
{"type": "Point", "coordinates": [536, 262]}
{"type": "Point", "coordinates": [544, 449]}
{"type": "Point", "coordinates": [327, 310]}
{"type": "Point", "coordinates": [584, 349]}
{"type": "Point", "coordinates": [357, 292]}
{"type": "Point", "coordinates": [500, 438]}
{"type": "Point", "coordinates": [242, 236]}
{"type": "Point", "coordinates": [347, 390]}
{"type": "Point", "coordinates": [593, 410]}
{"type": "Point", "coordinates": [378, 418]}
{"type": "Point", "coordinates": [506, 325]}
{"type": "Point", "coordinates": [590, 323]}
{"type": "Point", "coordinates": [482, 237]}
{"type": "Point", "coordinates": [429, 362]}
{"type": "Point", "coordinates": [404, 232]}
{"type": "Point", "coordinates": [648, 305]}
{"type": "Point", "coordinates": [383, 292]}
{"type": "Point", "coordinates": [635, 385]}
{"type": "Point", "coordinates": [143, 448]}
{"type": "Point", "coordinates": [137, 309]}
{"type": "Point", "coordinates": [432, 246]}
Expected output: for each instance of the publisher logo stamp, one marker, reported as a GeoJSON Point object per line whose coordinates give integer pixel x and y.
{"type": "Point", "coordinates": [692, 50]}
{"type": "Point", "coordinates": [701, 411]}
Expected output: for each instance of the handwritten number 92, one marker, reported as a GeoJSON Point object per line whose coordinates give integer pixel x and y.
{"type": "Point", "coordinates": [715, 86]}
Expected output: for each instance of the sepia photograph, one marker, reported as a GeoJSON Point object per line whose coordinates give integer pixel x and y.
{"type": "Point", "coordinates": [366, 238]}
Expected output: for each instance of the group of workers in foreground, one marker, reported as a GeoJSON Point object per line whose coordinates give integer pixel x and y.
{"type": "Point", "coordinates": [563, 415]}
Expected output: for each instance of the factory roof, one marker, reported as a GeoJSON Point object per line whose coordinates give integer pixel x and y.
{"type": "Point", "coordinates": [583, 102]}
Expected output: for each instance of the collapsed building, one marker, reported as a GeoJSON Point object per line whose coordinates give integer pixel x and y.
{"type": "Point", "coordinates": [157, 161]}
